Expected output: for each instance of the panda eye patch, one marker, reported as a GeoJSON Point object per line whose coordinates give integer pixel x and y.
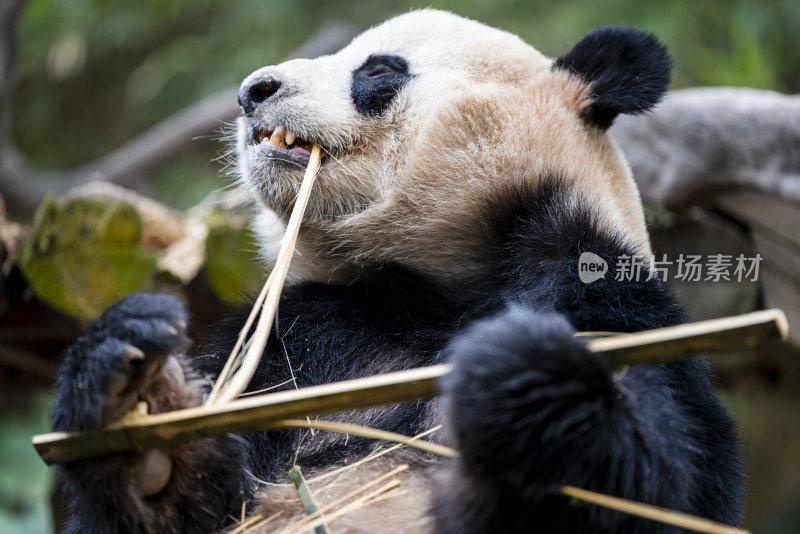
{"type": "Point", "coordinates": [376, 83]}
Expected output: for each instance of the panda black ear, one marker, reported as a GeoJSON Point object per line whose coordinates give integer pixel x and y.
{"type": "Point", "coordinates": [629, 72]}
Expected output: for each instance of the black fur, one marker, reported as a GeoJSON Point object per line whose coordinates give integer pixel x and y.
{"type": "Point", "coordinates": [629, 72]}
{"type": "Point", "coordinates": [376, 83]}
{"type": "Point", "coordinates": [95, 374]}
{"type": "Point", "coordinates": [257, 92]}
{"type": "Point", "coordinates": [97, 385]}
{"type": "Point", "coordinates": [529, 408]}
{"type": "Point", "coordinates": [525, 395]}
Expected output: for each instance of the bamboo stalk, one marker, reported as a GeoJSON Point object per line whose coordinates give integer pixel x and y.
{"type": "Point", "coordinates": [374, 455]}
{"type": "Point", "coordinates": [371, 498]}
{"type": "Point", "coordinates": [646, 511]}
{"type": "Point", "coordinates": [352, 495]}
{"type": "Point", "coordinates": [714, 336]}
{"type": "Point", "coordinates": [257, 521]}
{"type": "Point", "coordinates": [260, 412]}
{"type": "Point", "coordinates": [307, 498]}
{"type": "Point", "coordinates": [227, 369]}
{"type": "Point", "coordinates": [160, 430]}
{"type": "Point", "coordinates": [232, 381]}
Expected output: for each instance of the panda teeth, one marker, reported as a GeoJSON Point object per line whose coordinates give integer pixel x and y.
{"type": "Point", "coordinates": [281, 137]}
{"type": "Point", "coordinates": [277, 137]}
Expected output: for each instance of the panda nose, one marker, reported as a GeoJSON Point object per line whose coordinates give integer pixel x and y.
{"type": "Point", "coordinates": [256, 92]}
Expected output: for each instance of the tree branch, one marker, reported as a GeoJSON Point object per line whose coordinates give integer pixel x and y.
{"type": "Point", "coordinates": [24, 187]}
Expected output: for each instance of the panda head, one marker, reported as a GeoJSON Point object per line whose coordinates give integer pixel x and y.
{"type": "Point", "coordinates": [426, 118]}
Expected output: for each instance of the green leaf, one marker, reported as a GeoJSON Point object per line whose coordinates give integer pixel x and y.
{"type": "Point", "coordinates": [85, 253]}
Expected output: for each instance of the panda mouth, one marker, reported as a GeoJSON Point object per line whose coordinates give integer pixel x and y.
{"type": "Point", "coordinates": [283, 144]}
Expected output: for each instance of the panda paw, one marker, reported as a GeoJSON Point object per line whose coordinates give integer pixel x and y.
{"type": "Point", "coordinates": [522, 394]}
{"type": "Point", "coordinates": [130, 348]}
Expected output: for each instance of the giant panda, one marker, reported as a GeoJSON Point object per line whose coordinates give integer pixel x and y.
{"type": "Point", "coordinates": [464, 175]}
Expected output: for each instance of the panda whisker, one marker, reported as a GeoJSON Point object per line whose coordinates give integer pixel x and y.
{"type": "Point", "coordinates": [337, 160]}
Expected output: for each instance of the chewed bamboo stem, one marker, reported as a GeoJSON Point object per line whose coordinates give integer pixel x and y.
{"type": "Point", "coordinates": [263, 411]}
{"type": "Point", "coordinates": [234, 379]}
{"type": "Point", "coordinates": [254, 522]}
{"type": "Point", "coordinates": [374, 455]}
{"type": "Point", "coordinates": [646, 511]}
{"type": "Point", "coordinates": [728, 334]}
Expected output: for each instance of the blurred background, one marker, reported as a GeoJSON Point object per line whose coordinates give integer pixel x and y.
{"type": "Point", "coordinates": [89, 76]}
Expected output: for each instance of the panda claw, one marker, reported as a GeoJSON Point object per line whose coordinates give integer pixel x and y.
{"type": "Point", "coordinates": [142, 408]}
{"type": "Point", "coordinates": [169, 330]}
{"type": "Point", "coordinates": [131, 353]}
{"type": "Point", "coordinates": [174, 371]}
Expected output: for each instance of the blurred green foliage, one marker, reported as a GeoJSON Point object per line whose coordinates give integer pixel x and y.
{"type": "Point", "coordinates": [232, 265]}
{"type": "Point", "coordinates": [93, 73]}
{"type": "Point", "coordinates": [25, 481]}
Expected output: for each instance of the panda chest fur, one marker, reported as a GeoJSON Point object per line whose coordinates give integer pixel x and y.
{"type": "Point", "coordinates": [463, 175]}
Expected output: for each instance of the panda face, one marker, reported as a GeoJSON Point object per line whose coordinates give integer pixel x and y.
{"type": "Point", "coordinates": [423, 120]}
{"type": "Point", "coordinates": [360, 105]}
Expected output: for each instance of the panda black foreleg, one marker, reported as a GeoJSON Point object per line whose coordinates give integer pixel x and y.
{"type": "Point", "coordinates": [133, 354]}
{"type": "Point", "coordinates": [531, 409]}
